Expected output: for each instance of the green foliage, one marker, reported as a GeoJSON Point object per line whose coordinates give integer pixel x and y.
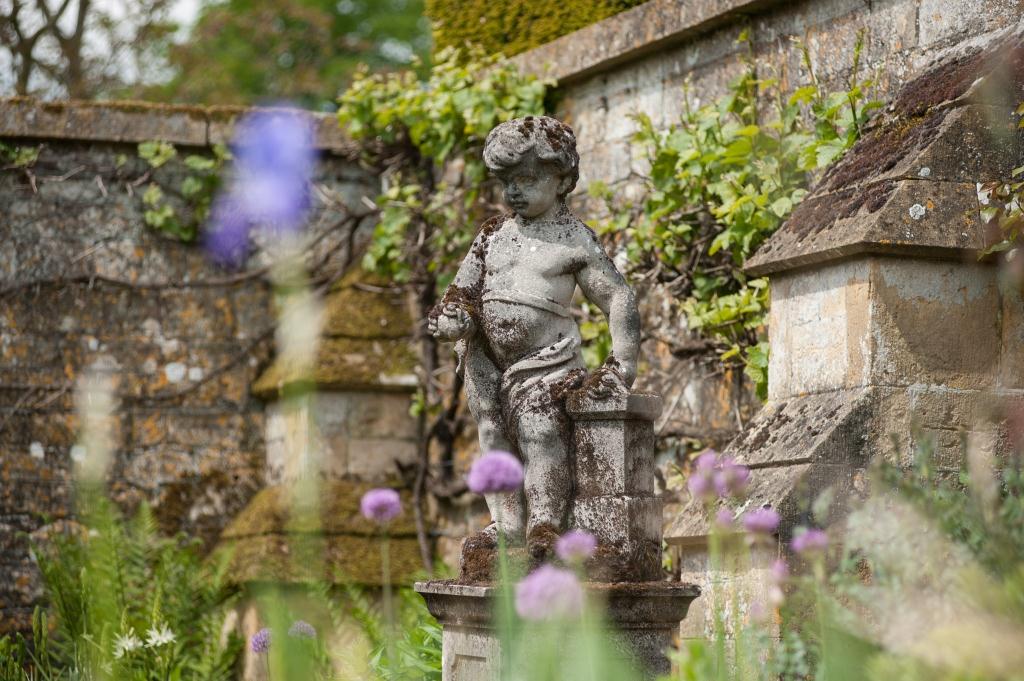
{"type": "Point", "coordinates": [305, 51]}
{"type": "Point", "coordinates": [17, 156]}
{"type": "Point", "coordinates": [435, 193]}
{"type": "Point", "coordinates": [181, 214]}
{"type": "Point", "coordinates": [721, 181]}
{"type": "Point", "coordinates": [111, 588]}
{"type": "Point", "coordinates": [1003, 207]}
{"type": "Point", "coordinates": [513, 26]}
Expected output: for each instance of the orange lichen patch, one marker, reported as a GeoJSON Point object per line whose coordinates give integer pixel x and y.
{"type": "Point", "coordinates": [272, 541]}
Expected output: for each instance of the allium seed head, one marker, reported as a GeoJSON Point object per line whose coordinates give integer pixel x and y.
{"type": "Point", "coordinates": [576, 546]}
{"type": "Point", "coordinates": [380, 505]}
{"type": "Point", "coordinates": [495, 471]}
{"type": "Point", "coordinates": [761, 521]}
{"type": "Point", "coordinates": [549, 593]}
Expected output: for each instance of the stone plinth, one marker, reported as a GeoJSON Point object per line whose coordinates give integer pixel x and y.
{"type": "Point", "coordinates": [644, 616]}
{"type": "Point", "coordinates": [614, 442]}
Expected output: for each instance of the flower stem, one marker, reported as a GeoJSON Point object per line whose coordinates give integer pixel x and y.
{"type": "Point", "coordinates": [389, 613]}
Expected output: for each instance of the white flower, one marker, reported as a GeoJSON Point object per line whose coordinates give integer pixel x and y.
{"type": "Point", "coordinates": [126, 644]}
{"type": "Point", "coordinates": [158, 637]}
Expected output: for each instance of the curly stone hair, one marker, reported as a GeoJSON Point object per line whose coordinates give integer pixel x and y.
{"type": "Point", "coordinates": [552, 140]}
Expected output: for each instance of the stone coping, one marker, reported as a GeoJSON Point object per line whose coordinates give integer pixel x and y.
{"type": "Point", "coordinates": [630, 406]}
{"type": "Point", "coordinates": [136, 121]}
{"type": "Point", "coordinates": [632, 34]}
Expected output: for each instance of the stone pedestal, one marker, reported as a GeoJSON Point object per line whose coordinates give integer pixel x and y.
{"type": "Point", "coordinates": [614, 454]}
{"type": "Point", "coordinates": [645, 617]}
{"type": "Point", "coordinates": [614, 441]}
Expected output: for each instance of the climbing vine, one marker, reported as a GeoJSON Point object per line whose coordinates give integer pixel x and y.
{"type": "Point", "coordinates": [179, 209]}
{"type": "Point", "coordinates": [426, 138]}
{"type": "Point", "coordinates": [721, 180]}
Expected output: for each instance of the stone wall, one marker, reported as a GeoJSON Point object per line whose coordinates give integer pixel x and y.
{"type": "Point", "coordinates": [83, 281]}
{"type": "Point", "coordinates": [639, 60]}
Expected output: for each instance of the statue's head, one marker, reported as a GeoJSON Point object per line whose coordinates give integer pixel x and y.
{"type": "Point", "coordinates": [536, 161]}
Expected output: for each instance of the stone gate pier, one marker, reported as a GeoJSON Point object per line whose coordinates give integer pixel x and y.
{"type": "Point", "coordinates": [614, 448]}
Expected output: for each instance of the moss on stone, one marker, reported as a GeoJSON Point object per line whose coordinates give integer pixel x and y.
{"type": "Point", "coordinates": [363, 305]}
{"type": "Point", "coordinates": [267, 541]}
{"type": "Point", "coordinates": [366, 342]}
{"type": "Point", "coordinates": [514, 26]}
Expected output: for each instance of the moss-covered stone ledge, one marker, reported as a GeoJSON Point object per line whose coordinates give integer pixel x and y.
{"type": "Point", "coordinates": [134, 121]}
{"type": "Point", "coordinates": [632, 34]}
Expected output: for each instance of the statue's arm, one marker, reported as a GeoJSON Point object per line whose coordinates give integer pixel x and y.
{"type": "Point", "coordinates": [453, 317]}
{"type": "Point", "coordinates": [604, 286]}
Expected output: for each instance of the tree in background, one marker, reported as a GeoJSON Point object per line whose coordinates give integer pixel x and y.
{"type": "Point", "coordinates": [82, 48]}
{"type": "Point", "coordinates": [244, 51]}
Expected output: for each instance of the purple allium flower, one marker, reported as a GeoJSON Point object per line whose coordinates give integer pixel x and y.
{"type": "Point", "coordinates": [701, 481]}
{"type": "Point", "coordinates": [731, 478]}
{"type": "Point", "coordinates": [274, 159]}
{"type": "Point", "coordinates": [495, 471]}
{"type": "Point", "coordinates": [549, 593]}
{"type": "Point", "coordinates": [260, 641]}
{"type": "Point", "coordinates": [381, 504]}
{"type": "Point", "coordinates": [302, 629]}
{"type": "Point", "coordinates": [810, 542]}
{"type": "Point", "coordinates": [576, 546]}
{"type": "Point", "coordinates": [762, 521]}
{"type": "Point", "coordinates": [724, 518]}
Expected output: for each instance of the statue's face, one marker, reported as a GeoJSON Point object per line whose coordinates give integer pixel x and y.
{"type": "Point", "coordinates": [532, 187]}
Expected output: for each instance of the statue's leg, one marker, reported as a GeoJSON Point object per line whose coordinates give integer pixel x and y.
{"type": "Point", "coordinates": [483, 381]}
{"type": "Point", "coordinates": [544, 440]}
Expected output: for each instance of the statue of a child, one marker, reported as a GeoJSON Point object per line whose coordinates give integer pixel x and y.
{"type": "Point", "coordinates": [509, 308]}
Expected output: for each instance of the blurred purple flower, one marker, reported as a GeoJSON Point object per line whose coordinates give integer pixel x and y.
{"type": "Point", "coordinates": [724, 518]}
{"type": "Point", "coordinates": [779, 571]}
{"type": "Point", "coordinates": [731, 478]}
{"type": "Point", "coordinates": [228, 242]}
{"type": "Point", "coordinates": [716, 476]}
{"type": "Point", "coordinates": [260, 641]}
{"type": "Point", "coordinates": [495, 471]}
{"type": "Point", "coordinates": [549, 593]}
{"type": "Point", "coordinates": [576, 546]}
{"type": "Point", "coordinates": [274, 161]}
{"type": "Point", "coordinates": [777, 576]}
{"type": "Point", "coordinates": [761, 521]}
{"type": "Point", "coordinates": [381, 505]}
{"type": "Point", "coordinates": [701, 482]}
{"type": "Point", "coordinates": [810, 542]}
{"type": "Point", "coordinates": [302, 629]}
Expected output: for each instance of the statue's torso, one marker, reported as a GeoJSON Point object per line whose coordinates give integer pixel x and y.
{"type": "Point", "coordinates": [529, 282]}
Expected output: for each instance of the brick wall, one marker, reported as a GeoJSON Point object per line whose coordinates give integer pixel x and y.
{"type": "Point", "coordinates": [83, 281]}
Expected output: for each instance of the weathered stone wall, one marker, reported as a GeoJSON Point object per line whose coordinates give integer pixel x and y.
{"type": "Point", "coordinates": [639, 60]}
{"type": "Point", "coordinates": [84, 281]}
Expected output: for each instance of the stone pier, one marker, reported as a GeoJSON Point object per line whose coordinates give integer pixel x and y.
{"type": "Point", "coordinates": [614, 447]}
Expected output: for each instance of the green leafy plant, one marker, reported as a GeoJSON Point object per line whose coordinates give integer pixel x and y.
{"type": "Point", "coordinates": [722, 179]}
{"type": "Point", "coordinates": [1003, 208]}
{"type": "Point", "coordinates": [174, 205]}
{"type": "Point", "coordinates": [125, 603]}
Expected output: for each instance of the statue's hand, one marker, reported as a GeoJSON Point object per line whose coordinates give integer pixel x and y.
{"type": "Point", "coordinates": [610, 379]}
{"type": "Point", "coordinates": [450, 322]}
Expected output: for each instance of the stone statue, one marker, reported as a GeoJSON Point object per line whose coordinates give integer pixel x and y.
{"type": "Point", "coordinates": [508, 308]}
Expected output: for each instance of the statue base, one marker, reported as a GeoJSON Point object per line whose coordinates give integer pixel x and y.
{"type": "Point", "coordinates": [644, 615]}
